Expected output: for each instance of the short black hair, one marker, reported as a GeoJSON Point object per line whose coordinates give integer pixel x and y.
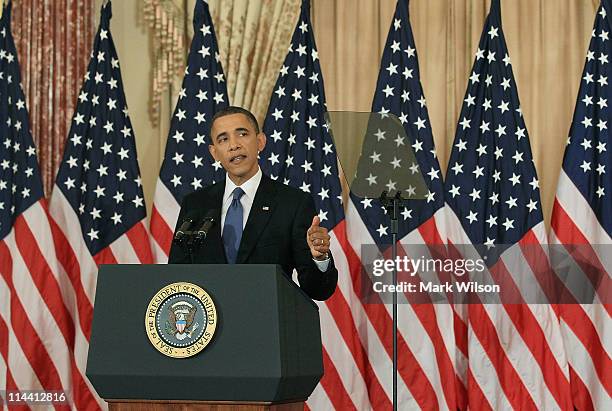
{"type": "Point", "coordinates": [235, 110]}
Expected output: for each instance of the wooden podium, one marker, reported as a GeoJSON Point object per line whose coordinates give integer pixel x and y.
{"type": "Point", "coordinates": [264, 355]}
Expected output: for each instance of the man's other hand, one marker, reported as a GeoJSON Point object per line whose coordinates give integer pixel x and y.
{"type": "Point", "coordinates": [318, 240]}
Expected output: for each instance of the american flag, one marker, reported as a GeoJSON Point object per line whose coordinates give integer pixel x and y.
{"type": "Point", "coordinates": [300, 152]}
{"type": "Point", "coordinates": [516, 357]}
{"type": "Point", "coordinates": [36, 329]}
{"type": "Point", "coordinates": [426, 340]}
{"type": "Point", "coordinates": [582, 215]}
{"type": "Point", "coordinates": [97, 202]}
{"type": "Point", "coordinates": [187, 164]}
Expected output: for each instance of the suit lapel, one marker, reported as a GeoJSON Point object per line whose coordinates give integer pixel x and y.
{"type": "Point", "coordinates": [216, 202]}
{"type": "Point", "coordinates": [263, 206]}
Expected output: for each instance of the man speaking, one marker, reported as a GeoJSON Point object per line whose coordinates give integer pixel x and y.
{"type": "Point", "coordinates": [256, 220]}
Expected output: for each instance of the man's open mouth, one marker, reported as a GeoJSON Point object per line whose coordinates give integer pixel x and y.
{"type": "Point", "coordinates": [237, 159]}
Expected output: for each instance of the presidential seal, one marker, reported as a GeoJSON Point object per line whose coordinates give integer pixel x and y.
{"type": "Point", "coordinates": [181, 320]}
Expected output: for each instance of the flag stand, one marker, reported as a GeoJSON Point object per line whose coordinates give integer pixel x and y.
{"type": "Point", "coordinates": [392, 205]}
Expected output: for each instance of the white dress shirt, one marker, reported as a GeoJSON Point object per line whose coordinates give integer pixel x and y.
{"type": "Point", "coordinates": [250, 189]}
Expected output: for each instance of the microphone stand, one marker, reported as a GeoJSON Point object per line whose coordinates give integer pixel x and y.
{"type": "Point", "coordinates": [190, 247]}
{"type": "Point", "coordinates": [192, 239]}
{"type": "Point", "coordinates": [392, 205]}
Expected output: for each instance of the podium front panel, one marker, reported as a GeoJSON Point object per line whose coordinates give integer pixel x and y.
{"type": "Point", "coordinates": [266, 347]}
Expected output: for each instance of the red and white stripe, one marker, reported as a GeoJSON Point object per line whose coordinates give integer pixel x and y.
{"type": "Point", "coordinates": [586, 328]}
{"type": "Point", "coordinates": [444, 322]}
{"type": "Point", "coordinates": [164, 214]}
{"type": "Point", "coordinates": [357, 339]}
{"type": "Point", "coordinates": [36, 324]}
{"type": "Point", "coordinates": [516, 358]}
{"type": "Point", "coordinates": [77, 270]}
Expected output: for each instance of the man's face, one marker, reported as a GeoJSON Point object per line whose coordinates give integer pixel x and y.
{"type": "Point", "coordinates": [236, 145]}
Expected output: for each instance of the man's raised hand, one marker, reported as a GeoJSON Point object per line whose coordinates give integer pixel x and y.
{"type": "Point", "coordinates": [318, 240]}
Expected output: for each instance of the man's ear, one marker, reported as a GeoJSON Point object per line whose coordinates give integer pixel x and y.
{"type": "Point", "coordinates": [213, 151]}
{"type": "Point", "coordinates": [261, 141]}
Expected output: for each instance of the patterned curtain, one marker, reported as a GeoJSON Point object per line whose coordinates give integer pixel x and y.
{"type": "Point", "coordinates": [167, 20]}
{"type": "Point", "coordinates": [54, 39]}
{"type": "Point", "coordinates": [253, 38]}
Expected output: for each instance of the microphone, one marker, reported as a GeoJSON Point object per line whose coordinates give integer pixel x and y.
{"type": "Point", "coordinates": [207, 223]}
{"type": "Point", "coordinates": [181, 233]}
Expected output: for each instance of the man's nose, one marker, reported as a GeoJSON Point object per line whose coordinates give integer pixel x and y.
{"type": "Point", "coordinates": [233, 143]}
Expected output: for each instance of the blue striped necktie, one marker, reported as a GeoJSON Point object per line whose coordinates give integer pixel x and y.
{"type": "Point", "coordinates": [232, 229]}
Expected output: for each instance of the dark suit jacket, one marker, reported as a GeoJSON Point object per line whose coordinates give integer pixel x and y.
{"type": "Point", "coordinates": [275, 233]}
